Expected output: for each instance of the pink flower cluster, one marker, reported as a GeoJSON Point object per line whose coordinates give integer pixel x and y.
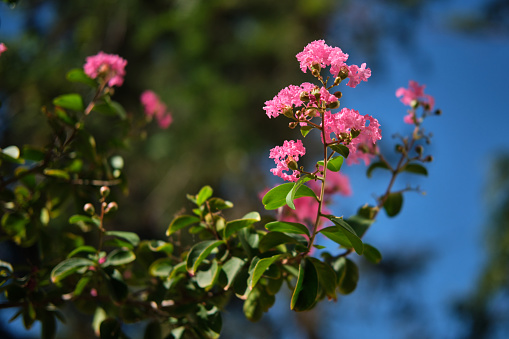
{"type": "Point", "coordinates": [155, 107]}
{"type": "Point", "coordinates": [283, 155]}
{"type": "Point", "coordinates": [3, 48]}
{"type": "Point", "coordinates": [319, 53]}
{"type": "Point", "coordinates": [109, 66]}
{"type": "Point", "coordinates": [414, 93]}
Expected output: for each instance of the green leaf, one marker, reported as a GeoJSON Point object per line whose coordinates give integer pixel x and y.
{"type": "Point", "coordinates": [203, 195]}
{"type": "Point", "coordinates": [335, 163]}
{"type": "Point", "coordinates": [350, 234]}
{"type": "Point", "coordinates": [206, 278]}
{"type": "Point", "coordinates": [110, 329]}
{"type": "Point", "coordinates": [33, 153]}
{"type": "Point", "coordinates": [68, 267]}
{"type": "Point", "coordinates": [82, 283]}
{"type": "Point", "coordinates": [199, 252]}
{"type": "Point", "coordinates": [393, 204]}
{"type": "Point", "coordinates": [348, 276]}
{"type": "Point", "coordinates": [48, 325]}
{"type": "Point", "coordinates": [235, 225]}
{"type": "Point", "coordinates": [80, 249]}
{"type": "Point", "coordinates": [70, 101]}
{"type": "Point", "coordinates": [110, 108]}
{"type": "Point", "coordinates": [359, 224]}
{"type": "Point", "coordinates": [78, 218]}
{"type": "Point", "coordinates": [274, 239]}
{"type": "Point", "coordinates": [276, 197]}
{"type": "Point", "coordinates": [181, 222]}
{"type": "Point", "coordinates": [231, 268]}
{"type": "Point", "coordinates": [119, 257]}
{"type": "Point", "coordinates": [291, 195]}
{"type": "Point", "coordinates": [306, 290]}
{"type": "Point", "coordinates": [78, 75]}
{"type": "Point", "coordinates": [116, 286]}
{"type": "Point", "coordinates": [416, 169]}
{"type": "Point", "coordinates": [217, 204]}
{"type": "Point", "coordinates": [372, 254]}
{"type": "Point", "coordinates": [162, 267]}
{"type": "Point", "coordinates": [131, 237]}
{"type": "Point", "coordinates": [304, 130]}
{"type": "Point", "coordinates": [326, 277]}
{"type": "Point", "coordinates": [56, 173]}
{"type": "Point", "coordinates": [256, 272]}
{"type": "Point", "coordinates": [287, 227]}
{"type": "Point", "coordinates": [341, 149]}
{"type": "Point", "coordinates": [376, 165]}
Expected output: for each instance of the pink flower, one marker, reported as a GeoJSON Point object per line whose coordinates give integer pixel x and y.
{"type": "Point", "coordinates": [285, 99]}
{"type": "Point", "coordinates": [3, 48]}
{"type": "Point", "coordinates": [109, 66]}
{"type": "Point", "coordinates": [356, 74]}
{"type": "Point", "coordinates": [155, 107]}
{"type": "Point", "coordinates": [337, 182]}
{"type": "Point", "coordinates": [283, 155]}
{"type": "Point", "coordinates": [415, 92]}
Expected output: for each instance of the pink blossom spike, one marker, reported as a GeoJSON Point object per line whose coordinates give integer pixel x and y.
{"type": "Point", "coordinates": [109, 66]}
{"type": "Point", "coordinates": [282, 155]}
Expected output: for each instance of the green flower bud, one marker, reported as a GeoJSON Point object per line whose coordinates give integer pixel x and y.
{"type": "Point", "coordinates": [419, 149]}
{"type": "Point", "coordinates": [333, 105]}
{"type": "Point", "coordinates": [105, 191]}
{"type": "Point", "coordinates": [429, 158]}
{"type": "Point", "coordinates": [288, 112]}
{"type": "Point", "coordinates": [338, 94]}
{"type": "Point", "coordinates": [89, 208]}
{"type": "Point", "coordinates": [292, 164]}
{"type": "Point", "coordinates": [438, 112]}
{"type": "Point", "coordinates": [293, 124]}
{"type": "Point", "coordinates": [355, 133]}
{"type": "Point", "coordinates": [304, 96]}
{"type": "Point", "coordinates": [343, 72]}
{"type": "Point", "coordinates": [111, 207]}
{"type": "Point", "coordinates": [337, 81]}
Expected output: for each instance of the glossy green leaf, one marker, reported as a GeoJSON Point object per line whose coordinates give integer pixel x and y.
{"type": "Point", "coordinates": [203, 195]}
{"type": "Point", "coordinates": [376, 165]}
{"type": "Point", "coordinates": [348, 273]}
{"type": "Point", "coordinates": [276, 197]}
{"type": "Point", "coordinates": [274, 239]}
{"type": "Point", "coordinates": [416, 169]}
{"type": "Point", "coordinates": [78, 75]}
{"type": "Point", "coordinates": [69, 101]}
{"type": "Point", "coordinates": [359, 224]}
{"type": "Point", "coordinates": [162, 267]}
{"type": "Point", "coordinates": [304, 130]}
{"type": "Point", "coordinates": [199, 252]}
{"type": "Point", "coordinates": [341, 149]}
{"type": "Point", "coordinates": [235, 225]}
{"type": "Point", "coordinates": [131, 237]}
{"type": "Point", "coordinates": [80, 286]}
{"type": "Point", "coordinates": [291, 195]}
{"type": "Point", "coordinates": [256, 272]}
{"type": "Point", "coordinates": [78, 218]}
{"type": "Point", "coordinates": [326, 277]}
{"type": "Point", "coordinates": [218, 204]}
{"type": "Point", "coordinates": [33, 153]}
{"type": "Point", "coordinates": [231, 268]}
{"type": "Point", "coordinates": [56, 173]}
{"type": "Point", "coordinates": [181, 222]}
{"type": "Point", "coordinates": [287, 227]}
{"type": "Point", "coordinates": [350, 234]}
{"type": "Point", "coordinates": [306, 290]}
{"type": "Point", "coordinates": [119, 257]}
{"type": "Point", "coordinates": [372, 254]}
{"type": "Point", "coordinates": [335, 164]}
{"type": "Point", "coordinates": [81, 249]}
{"type": "Point", "coordinates": [68, 267]}
{"type": "Point", "coordinates": [206, 278]}
{"type": "Point", "coordinates": [116, 286]}
{"type": "Point", "coordinates": [393, 204]}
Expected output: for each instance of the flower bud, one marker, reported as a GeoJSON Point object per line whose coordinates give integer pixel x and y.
{"type": "Point", "coordinates": [343, 72]}
{"type": "Point", "coordinates": [337, 81]}
{"type": "Point", "coordinates": [419, 149]}
{"type": "Point", "coordinates": [333, 105]}
{"type": "Point", "coordinates": [338, 94]}
{"type": "Point", "coordinates": [292, 164]}
{"type": "Point", "coordinates": [355, 133]}
{"type": "Point", "coordinates": [89, 208]}
{"type": "Point", "coordinates": [304, 96]}
{"type": "Point", "coordinates": [399, 148]}
{"type": "Point", "coordinates": [112, 207]}
{"type": "Point", "coordinates": [315, 73]}
{"type": "Point", "coordinates": [438, 112]}
{"type": "Point", "coordinates": [414, 103]}
{"type": "Point", "coordinates": [316, 93]}
{"type": "Point", "coordinates": [105, 191]}
{"type": "Point", "coordinates": [429, 158]}
{"type": "Point", "coordinates": [311, 113]}
{"type": "Point", "coordinates": [288, 112]}
{"type": "Point", "coordinates": [293, 124]}
{"type": "Point", "coordinates": [316, 66]}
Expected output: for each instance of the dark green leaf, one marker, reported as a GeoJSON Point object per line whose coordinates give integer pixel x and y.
{"type": "Point", "coordinates": [70, 101]}
{"type": "Point", "coordinates": [291, 195]}
{"type": "Point", "coordinates": [235, 225]}
{"type": "Point", "coordinates": [110, 329]}
{"type": "Point", "coordinates": [206, 278]}
{"type": "Point", "coordinates": [162, 267]}
{"type": "Point", "coordinates": [199, 252]}
{"type": "Point", "coordinates": [217, 204]}
{"type": "Point", "coordinates": [287, 227]}
{"type": "Point", "coordinates": [372, 254]}
{"type": "Point", "coordinates": [48, 325]}
{"type": "Point", "coordinates": [393, 204]}
{"type": "Point", "coordinates": [153, 330]}
{"type": "Point", "coordinates": [131, 237]}
{"type": "Point", "coordinates": [341, 149]}
{"type": "Point", "coordinates": [68, 267]}
{"type": "Point", "coordinates": [256, 272]}
{"type": "Point", "coordinates": [415, 168]}
{"type": "Point", "coordinates": [231, 268]}
{"type": "Point", "coordinates": [203, 195]}
{"type": "Point", "coordinates": [276, 197]}
{"type": "Point", "coordinates": [116, 285]}
{"type": "Point", "coordinates": [306, 290]}
{"type": "Point", "coordinates": [375, 165]}
{"type": "Point", "coordinates": [335, 163]}
{"type": "Point", "coordinates": [77, 218]}
{"type": "Point", "coordinates": [348, 276]}
{"type": "Point", "coordinates": [274, 239]}
{"type": "Point", "coordinates": [181, 222]}
{"type": "Point", "coordinates": [33, 153]}
{"type": "Point", "coordinates": [56, 173]}
{"type": "Point", "coordinates": [326, 277]}
{"type": "Point", "coordinates": [78, 75]}
{"type": "Point", "coordinates": [359, 224]}
{"type": "Point", "coordinates": [119, 257]}
{"type": "Point", "coordinates": [80, 286]}
{"type": "Point", "coordinates": [80, 249]}
{"type": "Point", "coordinates": [350, 234]}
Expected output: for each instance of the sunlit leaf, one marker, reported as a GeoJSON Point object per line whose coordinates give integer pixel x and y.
{"type": "Point", "coordinates": [259, 269]}
{"type": "Point", "coordinates": [69, 101]}
{"type": "Point", "coordinates": [199, 252]}
{"type": "Point", "coordinates": [276, 197]}
{"type": "Point", "coordinates": [291, 195]}
{"type": "Point", "coordinates": [181, 222]}
{"type": "Point", "coordinates": [68, 267]}
{"type": "Point", "coordinates": [306, 290]}
{"type": "Point", "coordinates": [235, 225]}
{"type": "Point", "coordinates": [287, 227]}
{"type": "Point", "coordinates": [335, 164]}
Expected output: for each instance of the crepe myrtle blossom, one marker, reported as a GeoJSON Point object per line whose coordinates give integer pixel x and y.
{"type": "Point", "coordinates": [155, 107]}
{"type": "Point", "coordinates": [415, 92]}
{"type": "Point", "coordinates": [317, 55]}
{"type": "Point", "coordinates": [109, 66]}
{"type": "Point", "coordinates": [286, 156]}
{"type": "Point", "coordinates": [3, 48]}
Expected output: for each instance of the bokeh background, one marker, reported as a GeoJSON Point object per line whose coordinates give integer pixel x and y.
{"type": "Point", "coordinates": [445, 272]}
